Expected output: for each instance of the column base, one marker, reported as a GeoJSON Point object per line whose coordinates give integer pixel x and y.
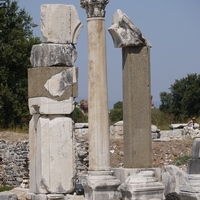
{"type": "Point", "coordinates": [32, 196]}
{"type": "Point", "coordinates": [101, 185]}
{"type": "Point", "coordinates": [191, 191]}
{"type": "Point", "coordinates": [140, 184]}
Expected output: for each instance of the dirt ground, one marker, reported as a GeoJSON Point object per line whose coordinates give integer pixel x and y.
{"type": "Point", "coordinates": [164, 153]}
{"type": "Point", "coordinates": [12, 137]}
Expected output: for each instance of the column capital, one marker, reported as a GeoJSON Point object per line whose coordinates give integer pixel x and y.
{"type": "Point", "coordinates": [94, 8]}
{"type": "Point", "coordinates": [125, 33]}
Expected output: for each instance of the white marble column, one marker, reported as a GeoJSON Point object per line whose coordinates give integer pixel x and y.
{"type": "Point", "coordinates": [100, 182]}
{"type": "Point", "coordinates": [99, 157]}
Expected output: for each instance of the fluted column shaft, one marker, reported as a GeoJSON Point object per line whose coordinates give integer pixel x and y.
{"type": "Point", "coordinates": [97, 96]}
{"type": "Point", "coordinates": [99, 154]}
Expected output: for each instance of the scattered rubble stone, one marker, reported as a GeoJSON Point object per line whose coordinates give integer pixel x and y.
{"type": "Point", "coordinates": [14, 155]}
{"type": "Point", "coordinates": [14, 163]}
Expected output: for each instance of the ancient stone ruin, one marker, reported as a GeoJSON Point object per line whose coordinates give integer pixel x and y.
{"type": "Point", "coordinates": [14, 163]}
{"type": "Point", "coordinates": [141, 183]}
{"type": "Point", "coordinates": [100, 183]}
{"type": "Point", "coordinates": [69, 161]}
{"type": "Point", "coordinates": [190, 190]}
{"type": "Point", "coordinates": [53, 85]}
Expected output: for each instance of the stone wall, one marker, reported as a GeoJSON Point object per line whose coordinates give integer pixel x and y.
{"type": "Point", "coordinates": [14, 157]}
{"type": "Point", "coordinates": [13, 162]}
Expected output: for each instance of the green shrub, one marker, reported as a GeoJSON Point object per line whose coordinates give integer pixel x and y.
{"type": "Point", "coordinates": [5, 188]}
{"type": "Point", "coordinates": [78, 116]}
{"type": "Point", "coordinates": [162, 120]}
{"type": "Point", "coordinates": [181, 160]}
{"type": "Point", "coordinates": [115, 115]}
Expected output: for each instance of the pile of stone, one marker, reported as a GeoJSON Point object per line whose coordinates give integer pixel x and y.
{"type": "Point", "coordinates": [190, 190]}
{"type": "Point", "coordinates": [13, 162]}
{"type": "Point", "coordinates": [179, 131]}
{"type": "Point", "coordinates": [82, 158]}
{"type": "Point", "coordinates": [116, 131]}
{"type": "Point", "coordinates": [81, 131]}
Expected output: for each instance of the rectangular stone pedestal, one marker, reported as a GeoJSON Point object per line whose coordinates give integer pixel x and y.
{"type": "Point", "coordinates": [194, 166]}
{"type": "Point", "coordinates": [52, 166]}
{"type": "Point", "coordinates": [140, 184]}
{"type": "Point", "coordinates": [101, 185]}
{"type": "Point", "coordinates": [31, 196]}
{"type": "Point", "coordinates": [123, 173]}
{"type": "Point", "coordinates": [191, 190]}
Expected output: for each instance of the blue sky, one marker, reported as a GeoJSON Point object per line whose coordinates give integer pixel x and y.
{"type": "Point", "coordinates": [172, 27]}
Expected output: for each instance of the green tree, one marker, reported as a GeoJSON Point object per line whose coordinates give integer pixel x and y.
{"type": "Point", "coordinates": [16, 40]}
{"type": "Point", "coordinates": [166, 101]}
{"type": "Point", "coordinates": [116, 114]}
{"type": "Point", "coordinates": [184, 98]}
{"type": "Point", "coordinates": [118, 105]}
{"type": "Point", "coordinates": [78, 116]}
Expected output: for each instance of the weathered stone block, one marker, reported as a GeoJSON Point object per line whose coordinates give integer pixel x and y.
{"type": "Point", "coordinates": [32, 196]}
{"type": "Point", "coordinates": [43, 105]}
{"type": "Point", "coordinates": [125, 33]}
{"type": "Point", "coordinates": [8, 196]}
{"type": "Point", "coordinates": [60, 23]}
{"type": "Point", "coordinates": [190, 191]}
{"type": "Point", "coordinates": [194, 166]}
{"type": "Point", "coordinates": [57, 83]}
{"type": "Point", "coordinates": [142, 185]}
{"type": "Point", "coordinates": [32, 152]}
{"type": "Point", "coordinates": [196, 149]}
{"type": "Point", "coordinates": [116, 130]}
{"type": "Point", "coordinates": [81, 132]}
{"type": "Point", "coordinates": [136, 107]}
{"type": "Point", "coordinates": [177, 126]}
{"type": "Point", "coordinates": [194, 163]}
{"type": "Point", "coordinates": [55, 197]}
{"type": "Point", "coordinates": [101, 185]}
{"type": "Point", "coordinates": [74, 197]}
{"type": "Point", "coordinates": [47, 55]}
{"type": "Point", "coordinates": [176, 134]}
{"type": "Point", "coordinates": [190, 196]}
{"type": "Point", "coordinates": [172, 178]}
{"type": "Point", "coordinates": [53, 161]}
{"type": "Point", "coordinates": [123, 173]}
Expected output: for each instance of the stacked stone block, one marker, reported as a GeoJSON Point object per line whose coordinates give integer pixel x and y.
{"type": "Point", "coordinates": [53, 85]}
{"type": "Point", "coordinates": [191, 189]}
